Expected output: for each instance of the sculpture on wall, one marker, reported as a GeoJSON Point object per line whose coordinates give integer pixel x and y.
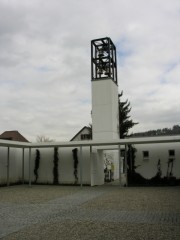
{"type": "Point", "coordinates": [170, 167]}
{"type": "Point", "coordinates": [159, 171]}
{"type": "Point", "coordinates": [36, 165]}
{"type": "Point", "coordinates": [55, 169]}
{"type": "Point", "coordinates": [75, 157]}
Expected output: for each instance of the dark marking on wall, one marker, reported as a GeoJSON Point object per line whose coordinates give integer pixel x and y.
{"type": "Point", "coordinates": [75, 157]}
{"type": "Point", "coordinates": [36, 165]}
{"type": "Point", "coordinates": [55, 168]}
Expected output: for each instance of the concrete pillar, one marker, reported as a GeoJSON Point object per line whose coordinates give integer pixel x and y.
{"type": "Point", "coordinates": [81, 163]}
{"type": "Point", "coordinates": [105, 111]}
{"type": "Point", "coordinates": [125, 159]}
{"type": "Point", "coordinates": [119, 156]}
{"type": "Point", "coordinates": [30, 167]}
{"type": "Point", "coordinates": [23, 166]}
{"type": "Point", "coordinates": [8, 163]}
{"type": "Point", "coordinates": [91, 163]}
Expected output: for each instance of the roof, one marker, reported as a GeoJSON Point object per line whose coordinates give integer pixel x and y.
{"type": "Point", "coordinates": [90, 143]}
{"type": "Point", "coordinates": [13, 136]}
{"type": "Point", "coordinates": [85, 127]}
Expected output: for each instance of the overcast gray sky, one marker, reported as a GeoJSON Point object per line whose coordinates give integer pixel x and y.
{"type": "Point", "coordinates": [45, 82]}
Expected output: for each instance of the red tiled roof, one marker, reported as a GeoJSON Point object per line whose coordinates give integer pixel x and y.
{"type": "Point", "coordinates": [13, 136]}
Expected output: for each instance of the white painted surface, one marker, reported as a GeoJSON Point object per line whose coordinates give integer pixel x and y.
{"type": "Point", "coordinates": [105, 110]}
{"type": "Point", "coordinates": [15, 165]}
{"type": "Point", "coordinates": [3, 165]}
{"type": "Point", "coordinates": [65, 166]}
{"type": "Point", "coordinates": [148, 167]}
{"type": "Point", "coordinates": [105, 123]}
{"type": "Point", "coordinates": [97, 168]}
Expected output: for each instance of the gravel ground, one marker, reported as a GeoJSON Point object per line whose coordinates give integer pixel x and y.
{"type": "Point", "coordinates": [36, 194]}
{"type": "Point", "coordinates": [108, 212]}
{"type": "Point", "coordinates": [142, 198]}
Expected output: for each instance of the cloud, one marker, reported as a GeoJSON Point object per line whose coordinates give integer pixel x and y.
{"type": "Point", "coordinates": [45, 62]}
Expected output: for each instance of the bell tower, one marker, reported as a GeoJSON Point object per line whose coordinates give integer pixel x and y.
{"type": "Point", "coordinates": [105, 112]}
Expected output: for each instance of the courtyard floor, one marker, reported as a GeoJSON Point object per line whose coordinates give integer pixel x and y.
{"type": "Point", "coordinates": [103, 212]}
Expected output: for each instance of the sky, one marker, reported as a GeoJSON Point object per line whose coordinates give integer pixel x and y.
{"type": "Point", "coordinates": [45, 62]}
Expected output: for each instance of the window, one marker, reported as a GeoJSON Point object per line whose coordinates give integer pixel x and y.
{"type": "Point", "coordinates": [171, 153]}
{"type": "Point", "coordinates": [145, 155]}
{"type": "Point", "coordinates": [85, 136]}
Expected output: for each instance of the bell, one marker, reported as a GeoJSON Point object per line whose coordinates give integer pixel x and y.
{"type": "Point", "coordinates": [107, 71]}
{"type": "Point", "coordinates": [105, 48]}
{"type": "Point", "coordinates": [101, 53]}
{"type": "Point", "coordinates": [100, 71]}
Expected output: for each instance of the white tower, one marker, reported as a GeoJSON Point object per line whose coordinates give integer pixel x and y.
{"type": "Point", "coordinates": [105, 112]}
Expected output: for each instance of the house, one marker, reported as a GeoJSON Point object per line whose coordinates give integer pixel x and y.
{"type": "Point", "coordinates": [13, 136]}
{"type": "Point", "coordinates": [84, 134]}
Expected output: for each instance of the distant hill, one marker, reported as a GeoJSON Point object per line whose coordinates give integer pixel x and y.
{"type": "Point", "coordinates": [175, 130]}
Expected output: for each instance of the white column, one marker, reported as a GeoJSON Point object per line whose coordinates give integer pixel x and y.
{"type": "Point", "coordinates": [23, 165]}
{"type": "Point", "coordinates": [91, 163]}
{"type": "Point", "coordinates": [105, 112]}
{"type": "Point", "coordinates": [119, 155]}
{"type": "Point", "coordinates": [30, 167]}
{"type": "Point", "coordinates": [126, 165]}
{"type": "Point", "coordinates": [8, 163]}
{"type": "Point", "coordinates": [81, 174]}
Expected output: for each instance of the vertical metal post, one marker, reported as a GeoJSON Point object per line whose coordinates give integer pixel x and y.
{"type": "Point", "coordinates": [130, 153]}
{"type": "Point", "coordinates": [109, 57]}
{"type": "Point", "coordinates": [30, 167]}
{"type": "Point", "coordinates": [115, 65]}
{"type": "Point", "coordinates": [119, 156]}
{"type": "Point", "coordinates": [96, 69]}
{"type": "Point", "coordinates": [8, 161]}
{"type": "Point", "coordinates": [91, 61]}
{"type": "Point", "coordinates": [81, 166]}
{"type": "Point", "coordinates": [23, 166]}
{"type": "Point", "coordinates": [125, 158]}
{"type": "Point", "coordinates": [91, 164]}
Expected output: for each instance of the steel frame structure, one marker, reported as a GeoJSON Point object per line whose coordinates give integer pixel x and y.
{"type": "Point", "coordinates": [103, 59]}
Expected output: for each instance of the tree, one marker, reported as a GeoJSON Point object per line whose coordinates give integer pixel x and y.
{"type": "Point", "coordinates": [42, 138]}
{"type": "Point", "coordinates": [125, 123]}
{"type": "Point", "coordinates": [175, 130]}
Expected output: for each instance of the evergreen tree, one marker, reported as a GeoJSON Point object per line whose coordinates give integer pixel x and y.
{"type": "Point", "coordinates": [125, 123]}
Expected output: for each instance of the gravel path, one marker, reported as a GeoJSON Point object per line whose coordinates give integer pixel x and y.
{"type": "Point", "coordinates": [56, 212]}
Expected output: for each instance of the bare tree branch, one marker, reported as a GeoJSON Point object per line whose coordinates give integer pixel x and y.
{"type": "Point", "coordinates": [42, 138]}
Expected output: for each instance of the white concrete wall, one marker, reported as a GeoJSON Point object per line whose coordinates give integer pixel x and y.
{"type": "Point", "coordinates": [15, 165]}
{"type": "Point", "coordinates": [93, 171]}
{"type": "Point", "coordinates": [3, 165]}
{"type": "Point", "coordinates": [65, 166]}
{"type": "Point", "coordinates": [97, 168]}
{"type": "Point", "coordinates": [105, 110]}
{"type": "Point", "coordinates": [148, 167]}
